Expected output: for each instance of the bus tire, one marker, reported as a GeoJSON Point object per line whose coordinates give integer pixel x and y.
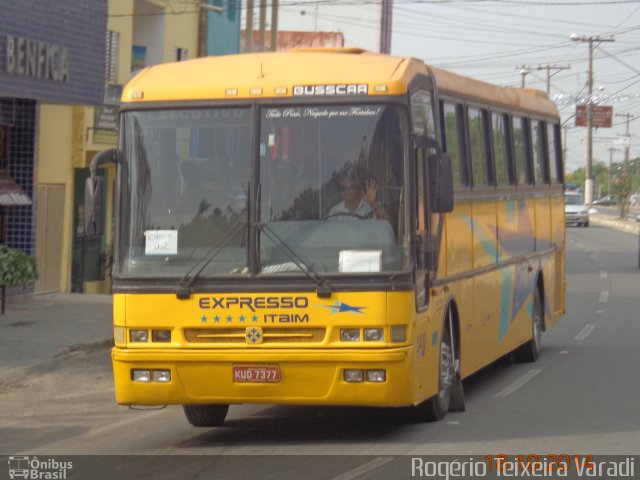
{"type": "Point", "coordinates": [436, 407]}
{"type": "Point", "coordinates": [212, 415]}
{"type": "Point", "coordinates": [530, 351]}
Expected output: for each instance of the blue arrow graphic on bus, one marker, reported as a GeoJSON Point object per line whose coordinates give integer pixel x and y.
{"type": "Point", "coordinates": [340, 307]}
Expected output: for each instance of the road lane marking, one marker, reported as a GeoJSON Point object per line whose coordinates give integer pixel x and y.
{"type": "Point", "coordinates": [594, 258]}
{"type": "Point", "coordinates": [604, 297]}
{"type": "Point", "coordinates": [362, 469]}
{"type": "Point", "coordinates": [603, 274]}
{"type": "Point", "coordinates": [518, 383]}
{"type": "Point", "coordinates": [564, 352]}
{"type": "Point", "coordinates": [588, 328]}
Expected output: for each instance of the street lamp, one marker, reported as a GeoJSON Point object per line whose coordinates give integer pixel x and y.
{"type": "Point", "coordinates": [523, 73]}
{"type": "Point", "coordinates": [588, 184]}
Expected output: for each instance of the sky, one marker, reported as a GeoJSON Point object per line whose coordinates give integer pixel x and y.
{"type": "Point", "coordinates": [493, 40]}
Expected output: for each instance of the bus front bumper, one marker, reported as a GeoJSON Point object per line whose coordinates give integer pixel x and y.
{"type": "Point", "coordinates": [303, 378]}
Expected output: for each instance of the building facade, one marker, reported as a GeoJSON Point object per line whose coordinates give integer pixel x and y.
{"type": "Point", "coordinates": [139, 34]}
{"type": "Point", "coordinates": [50, 53]}
{"type": "Point", "coordinates": [62, 68]}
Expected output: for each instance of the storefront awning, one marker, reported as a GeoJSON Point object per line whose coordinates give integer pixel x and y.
{"type": "Point", "coordinates": [11, 195]}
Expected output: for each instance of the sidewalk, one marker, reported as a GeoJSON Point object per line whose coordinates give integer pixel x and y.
{"type": "Point", "coordinates": [35, 330]}
{"type": "Point", "coordinates": [623, 224]}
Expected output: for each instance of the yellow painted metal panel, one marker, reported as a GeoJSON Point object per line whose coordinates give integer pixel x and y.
{"type": "Point", "coordinates": [484, 234]}
{"type": "Point", "coordinates": [458, 246]}
{"type": "Point", "coordinates": [210, 77]}
{"type": "Point", "coordinates": [516, 227]}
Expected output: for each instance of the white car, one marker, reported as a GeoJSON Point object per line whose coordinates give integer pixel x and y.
{"type": "Point", "coordinates": [576, 212]}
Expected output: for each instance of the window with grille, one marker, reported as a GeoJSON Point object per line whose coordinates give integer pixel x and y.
{"type": "Point", "coordinates": [180, 54]}
{"type": "Point", "coordinates": [112, 56]}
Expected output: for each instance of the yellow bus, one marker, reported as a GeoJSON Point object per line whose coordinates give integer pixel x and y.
{"type": "Point", "coordinates": [328, 227]}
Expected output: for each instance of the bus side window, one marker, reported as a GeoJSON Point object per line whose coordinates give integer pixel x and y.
{"type": "Point", "coordinates": [554, 151]}
{"type": "Point", "coordinates": [478, 146]}
{"type": "Point", "coordinates": [422, 114]}
{"type": "Point", "coordinates": [501, 150]}
{"type": "Point", "coordinates": [451, 123]}
{"type": "Point", "coordinates": [520, 147]}
{"type": "Point", "coordinates": [539, 150]}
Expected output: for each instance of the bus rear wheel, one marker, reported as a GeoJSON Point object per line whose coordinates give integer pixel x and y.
{"type": "Point", "coordinates": [212, 415]}
{"type": "Point", "coordinates": [530, 351]}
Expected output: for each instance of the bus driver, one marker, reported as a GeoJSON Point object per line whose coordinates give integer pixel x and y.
{"type": "Point", "coordinates": [359, 198]}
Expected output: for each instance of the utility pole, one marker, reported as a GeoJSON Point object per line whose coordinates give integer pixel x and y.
{"type": "Point", "coordinates": [385, 25]}
{"type": "Point", "coordinates": [548, 68]}
{"type": "Point", "coordinates": [593, 41]}
{"type": "Point", "coordinates": [203, 23]}
{"type": "Point", "coordinates": [249, 44]}
{"type": "Point", "coordinates": [274, 25]}
{"type": "Point", "coordinates": [262, 25]}
{"type": "Point", "coordinates": [627, 136]}
{"type": "Point", "coordinates": [611, 150]}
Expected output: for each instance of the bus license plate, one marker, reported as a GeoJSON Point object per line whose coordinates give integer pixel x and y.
{"type": "Point", "coordinates": [256, 373]}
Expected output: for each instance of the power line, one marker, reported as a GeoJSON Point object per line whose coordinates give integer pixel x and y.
{"type": "Point", "coordinates": [548, 68]}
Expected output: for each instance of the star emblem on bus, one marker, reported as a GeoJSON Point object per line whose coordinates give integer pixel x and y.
{"type": "Point", "coordinates": [339, 307]}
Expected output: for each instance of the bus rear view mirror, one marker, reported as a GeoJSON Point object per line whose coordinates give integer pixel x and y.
{"type": "Point", "coordinates": [94, 206]}
{"type": "Point", "coordinates": [94, 194]}
{"type": "Point", "coordinates": [440, 183]}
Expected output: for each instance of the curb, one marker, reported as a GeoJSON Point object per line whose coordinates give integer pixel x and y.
{"type": "Point", "coordinates": [623, 225]}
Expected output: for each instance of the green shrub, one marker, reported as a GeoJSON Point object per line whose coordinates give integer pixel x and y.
{"type": "Point", "coordinates": [16, 267]}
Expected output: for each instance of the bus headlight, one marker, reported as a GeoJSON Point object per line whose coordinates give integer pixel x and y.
{"type": "Point", "coordinates": [139, 335]}
{"type": "Point", "coordinates": [373, 334]}
{"type": "Point", "coordinates": [376, 376]}
{"type": "Point", "coordinates": [163, 336]}
{"type": "Point", "coordinates": [353, 376]}
{"type": "Point", "coordinates": [350, 334]}
{"type": "Point", "coordinates": [141, 376]}
{"type": "Point", "coordinates": [161, 376]}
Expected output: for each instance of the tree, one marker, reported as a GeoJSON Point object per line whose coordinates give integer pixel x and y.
{"type": "Point", "coordinates": [16, 267]}
{"type": "Point", "coordinates": [622, 190]}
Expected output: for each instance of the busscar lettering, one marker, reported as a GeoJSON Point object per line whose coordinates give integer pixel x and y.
{"type": "Point", "coordinates": [253, 303]}
{"type": "Point", "coordinates": [337, 89]}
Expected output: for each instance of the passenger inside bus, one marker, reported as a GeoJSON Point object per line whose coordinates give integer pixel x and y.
{"type": "Point", "coordinates": [359, 197]}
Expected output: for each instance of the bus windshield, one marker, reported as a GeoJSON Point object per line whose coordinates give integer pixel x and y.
{"type": "Point", "coordinates": [329, 186]}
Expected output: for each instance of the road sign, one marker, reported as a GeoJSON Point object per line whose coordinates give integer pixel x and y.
{"type": "Point", "coordinates": [601, 116]}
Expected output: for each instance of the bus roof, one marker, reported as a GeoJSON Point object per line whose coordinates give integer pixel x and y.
{"type": "Point", "coordinates": [528, 99]}
{"type": "Point", "coordinates": [273, 75]}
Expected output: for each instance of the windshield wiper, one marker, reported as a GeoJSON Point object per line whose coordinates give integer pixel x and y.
{"type": "Point", "coordinates": [323, 288]}
{"type": "Point", "coordinates": [183, 291]}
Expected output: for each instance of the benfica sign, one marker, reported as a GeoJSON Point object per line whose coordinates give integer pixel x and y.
{"type": "Point", "coordinates": [601, 116]}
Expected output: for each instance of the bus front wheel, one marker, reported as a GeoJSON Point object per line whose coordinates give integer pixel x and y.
{"type": "Point", "coordinates": [206, 415]}
{"type": "Point", "coordinates": [436, 407]}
